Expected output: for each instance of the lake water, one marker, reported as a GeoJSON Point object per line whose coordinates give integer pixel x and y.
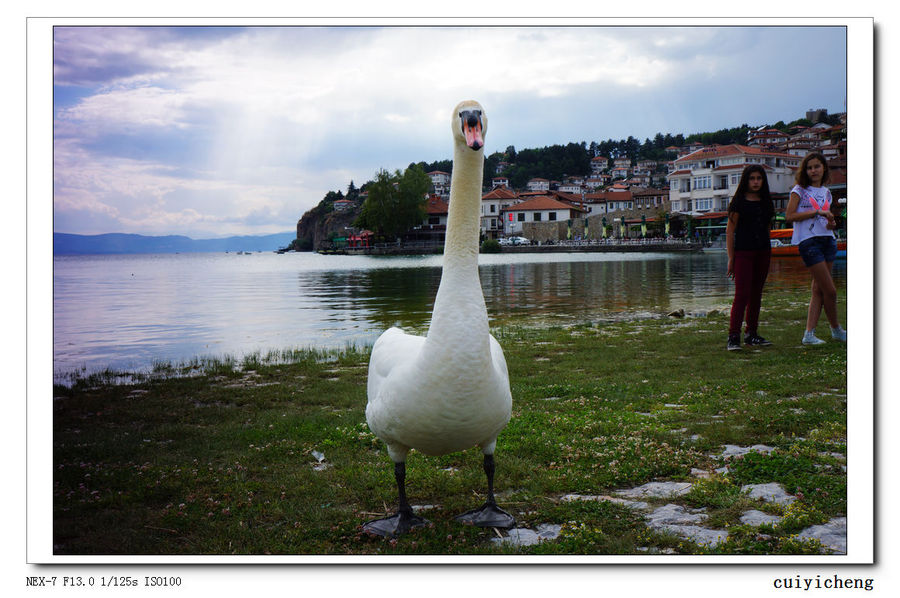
{"type": "Point", "coordinates": [129, 311]}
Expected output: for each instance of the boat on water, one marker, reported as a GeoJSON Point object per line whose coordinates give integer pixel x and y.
{"type": "Point", "coordinates": [780, 240]}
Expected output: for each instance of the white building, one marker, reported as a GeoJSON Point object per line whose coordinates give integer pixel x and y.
{"type": "Point", "coordinates": [599, 164]}
{"type": "Point", "coordinates": [539, 209]}
{"type": "Point", "coordinates": [441, 182]}
{"type": "Point", "coordinates": [705, 180]}
{"type": "Point", "coordinates": [766, 136]}
{"type": "Point", "coordinates": [538, 185]}
{"type": "Point", "coordinates": [492, 206]}
{"type": "Point", "coordinates": [570, 188]}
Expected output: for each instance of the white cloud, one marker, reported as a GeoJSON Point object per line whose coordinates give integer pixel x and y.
{"type": "Point", "coordinates": [254, 125]}
{"type": "Point", "coordinates": [126, 109]}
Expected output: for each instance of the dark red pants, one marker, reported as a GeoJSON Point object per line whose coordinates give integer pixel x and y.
{"type": "Point", "coordinates": [750, 271]}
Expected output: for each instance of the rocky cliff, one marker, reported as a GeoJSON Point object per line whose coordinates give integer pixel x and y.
{"type": "Point", "coordinates": [317, 226]}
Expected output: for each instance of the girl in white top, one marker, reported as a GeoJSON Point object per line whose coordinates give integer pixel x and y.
{"type": "Point", "coordinates": [809, 211]}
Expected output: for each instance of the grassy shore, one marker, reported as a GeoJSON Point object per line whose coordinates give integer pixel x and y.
{"type": "Point", "coordinates": [273, 455]}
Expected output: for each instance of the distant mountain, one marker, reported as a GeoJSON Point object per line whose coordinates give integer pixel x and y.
{"type": "Point", "coordinates": [69, 244]}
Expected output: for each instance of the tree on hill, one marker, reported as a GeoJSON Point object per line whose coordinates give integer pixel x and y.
{"type": "Point", "coordinates": [736, 135]}
{"type": "Point", "coordinates": [396, 202]}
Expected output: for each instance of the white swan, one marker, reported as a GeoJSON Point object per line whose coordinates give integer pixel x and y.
{"type": "Point", "coordinates": [447, 391]}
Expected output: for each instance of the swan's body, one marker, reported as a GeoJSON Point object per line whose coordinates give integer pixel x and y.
{"type": "Point", "coordinates": [447, 391]}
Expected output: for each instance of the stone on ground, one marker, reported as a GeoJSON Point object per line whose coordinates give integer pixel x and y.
{"type": "Point", "coordinates": [771, 492]}
{"type": "Point", "coordinates": [832, 535]}
{"type": "Point", "coordinates": [657, 490]}
{"type": "Point", "coordinates": [756, 518]}
{"type": "Point", "coordinates": [521, 536]}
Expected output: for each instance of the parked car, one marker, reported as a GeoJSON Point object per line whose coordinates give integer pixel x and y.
{"type": "Point", "coordinates": [515, 241]}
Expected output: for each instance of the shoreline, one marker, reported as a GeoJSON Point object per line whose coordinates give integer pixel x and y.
{"type": "Point", "coordinates": [198, 364]}
{"type": "Point", "coordinates": [628, 247]}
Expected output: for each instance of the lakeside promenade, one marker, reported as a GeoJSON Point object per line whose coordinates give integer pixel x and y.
{"type": "Point", "coordinates": [611, 246]}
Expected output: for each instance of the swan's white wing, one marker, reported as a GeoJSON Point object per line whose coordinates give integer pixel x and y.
{"type": "Point", "coordinates": [393, 349]}
{"type": "Point", "coordinates": [499, 360]}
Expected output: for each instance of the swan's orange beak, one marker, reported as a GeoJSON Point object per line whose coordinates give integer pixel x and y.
{"type": "Point", "coordinates": [471, 127]}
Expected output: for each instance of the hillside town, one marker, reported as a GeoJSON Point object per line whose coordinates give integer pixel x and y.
{"type": "Point", "coordinates": [624, 198]}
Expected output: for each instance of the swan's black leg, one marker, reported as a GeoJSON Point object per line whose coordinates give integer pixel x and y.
{"type": "Point", "coordinates": [404, 519]}
{"type": "Point", "coordinates": [488, 514]}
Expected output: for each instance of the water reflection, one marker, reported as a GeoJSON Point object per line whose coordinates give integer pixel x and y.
{"type": "Point", "coordinates": [129, 311]}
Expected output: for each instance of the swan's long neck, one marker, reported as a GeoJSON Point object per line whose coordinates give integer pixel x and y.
{"type": "Point", "coordinates": [464, 217]}
{"type": "Point", "coordinates": [460, 318]}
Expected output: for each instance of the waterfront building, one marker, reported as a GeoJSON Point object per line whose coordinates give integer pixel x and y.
{"type": "Point", "coordinates": [705, 180]}
{"type": "Point", "coordinates": [492, 205]}
{"type": "Point", "coordinates": [436, 210]}
{"type": "Point", "coordinates": [538, 209]}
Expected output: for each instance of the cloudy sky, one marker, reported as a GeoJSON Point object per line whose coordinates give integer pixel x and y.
{"type": "Point", "coordinates": [212, 132]}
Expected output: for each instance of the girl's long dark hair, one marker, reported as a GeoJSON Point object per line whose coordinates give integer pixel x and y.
{"type": "Point", "coordinates": [765, 196]}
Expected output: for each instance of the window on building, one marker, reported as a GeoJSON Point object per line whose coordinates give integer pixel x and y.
{"type": "Point", "coordinates": [521, 216]}
{"type": "Point", "coordinates": [551, 216]}
{"type": "Point", "coordinates": [493, 208]}
{"type": "Point", "coordinates": [537, 216]}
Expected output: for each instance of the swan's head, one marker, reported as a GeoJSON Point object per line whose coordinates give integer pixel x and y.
{"type": "Point", "coordinates": [469, 124]}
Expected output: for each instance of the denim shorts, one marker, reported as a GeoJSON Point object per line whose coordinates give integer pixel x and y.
{"type": "Point", "coordinates": [818, 249]}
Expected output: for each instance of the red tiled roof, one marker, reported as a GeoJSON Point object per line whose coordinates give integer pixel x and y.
{"type": "Point", "coordinates": [572, 197]}
{"type": "Point", "coordinates": [500, 193]}
{"type": "Point", "coordinates": [649, 192]}
{"type": "Point", "coordinates": [541, 203]}
{"type": "Point", "coordinates": [436, 205]}
{"type": "Point", "coordinates": [717, 151]}
{"type": "Point", "coordinates": [711, 216]}
{"type": "Point", "coordinates": [608, 196]}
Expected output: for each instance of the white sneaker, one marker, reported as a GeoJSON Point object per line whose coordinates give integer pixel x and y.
{"type": "Point", "coordinates": [839, 334]}
{"type": "Point", "coordinates": [809, 338]}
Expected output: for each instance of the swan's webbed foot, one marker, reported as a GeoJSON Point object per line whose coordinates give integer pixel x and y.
{"type": "Point", "coordinates": [487, 515]}
{"type": "Point", "coordinates": [395, 525]}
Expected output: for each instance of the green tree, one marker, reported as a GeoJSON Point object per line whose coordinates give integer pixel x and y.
{"type": "Point", "coordinates": [352, 191]}
{"type": "Point", "coordinates": [396, 202]}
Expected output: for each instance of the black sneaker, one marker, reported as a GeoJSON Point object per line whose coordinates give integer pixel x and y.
{"type": "Point", "coordinates": [757, 340]}
{"type": "Point", "coordinates": [734, 342]}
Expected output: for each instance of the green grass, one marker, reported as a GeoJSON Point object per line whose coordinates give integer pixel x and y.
{"type": "Point", "coordinates": [216, 457]}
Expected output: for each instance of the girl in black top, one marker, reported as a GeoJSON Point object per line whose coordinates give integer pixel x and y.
{"type": "Point", "coordinates": [749, 250]}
